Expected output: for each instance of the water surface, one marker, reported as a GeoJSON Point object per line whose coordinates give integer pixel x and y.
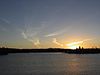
{"type": "Point", "coordinates": [50, 64]}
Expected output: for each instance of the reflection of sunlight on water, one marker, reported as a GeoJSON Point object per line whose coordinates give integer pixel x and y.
{"type": "Point", "coordinates": [75, 65]}
{"type": "Point", "coordinates": [50, 64]}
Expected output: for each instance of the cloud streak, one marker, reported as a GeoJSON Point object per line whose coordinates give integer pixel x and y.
{"type": "Point", "coordinates": [56, 42]}
{"type": "Point", "coordinates": [31, 34]}
{"type": "Point", "coordinates": [55, 33]}
{"type": "Point", "coordinates": [2, 27]}
{"type": "Point", "coordinates": [78, 42]}
{"type": "Point", "coordinates": [5, 20]}
{"type": "Point", "coordinates": [59, 32]}
{"type": "Point", "coordinates": [26, 37]}
{"type": "Point", "coordinates": [36, 42]}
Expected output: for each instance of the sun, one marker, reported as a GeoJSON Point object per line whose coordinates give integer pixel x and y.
{"type": "Point", "coordinates": [76, 44]}
{"type": "Point", "coordinates": [73, 46]}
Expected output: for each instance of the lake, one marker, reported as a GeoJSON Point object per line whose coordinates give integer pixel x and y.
{"type": "Point", "coordinates": [49, 64]}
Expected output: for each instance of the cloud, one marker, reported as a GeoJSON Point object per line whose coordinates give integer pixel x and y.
{"type": "Point", "coordinates": [5, 20]}
{"type": "Point", "coordinates": [6, 25]}
{"type": "Point", "coordinates": [31, 33]}
{"type": "Point", "coordinates": [2, 27]}
{"type": "Point", "coordinates": [26, 37]}
{"type": "Point", "coordinates": [59, 32]}
{"type": "Point", "coordinates": [36, 42]}
{"type": "Point", "coordinates": [78, 42]}
{"type": "Point", "coordinates": [55, 33]}
{"type": "Point", "coordinates": [55, 41]}
{"type": "Point", "coordinates": [74, 43]}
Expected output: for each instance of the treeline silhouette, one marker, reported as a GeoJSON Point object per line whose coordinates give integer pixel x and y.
{"type": "Point", "coordinates": [5, 51]}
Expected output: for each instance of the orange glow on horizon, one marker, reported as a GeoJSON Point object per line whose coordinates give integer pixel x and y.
{"type": "Point", "coordinates": [75, 45]}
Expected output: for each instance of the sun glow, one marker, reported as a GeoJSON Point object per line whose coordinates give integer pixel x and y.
{"type": "Point", "coordinates": [73, 47]}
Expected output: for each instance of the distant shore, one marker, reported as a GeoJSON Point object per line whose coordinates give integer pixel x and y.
{"type": "Point", "coordinates": [5, 51]}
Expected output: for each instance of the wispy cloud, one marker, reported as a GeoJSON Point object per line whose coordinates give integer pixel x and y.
{"type": "Point", "coordinates": [58, 32]}
{"type": "Point", "coordinates": [56, 42]}
{"type": "Point", "coordinates": [5, 20]}
{"type": "Point", "coordinates": [26, 37]}
{"type": "Point", "coordinates": [2, 27]}
{"type": "Point", "coordinates": [7, 25]}
{"type": "Point", "coordinates": [36, 41]}
{"type": "Point", "coordinates": [78, 42]}
{"type": "Point", "coordinates": [55, 33]}
{"type": "Point", "coordinates": [32, 33]}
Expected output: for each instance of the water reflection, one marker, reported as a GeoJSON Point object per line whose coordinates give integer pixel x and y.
{"type": "Point", "coordinates": [49, 64]}
{"type": "Point", "coordinates": [80, 65]}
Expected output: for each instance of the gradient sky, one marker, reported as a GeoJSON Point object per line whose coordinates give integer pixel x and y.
{"type": "Point", "coordinates": [49, 23]}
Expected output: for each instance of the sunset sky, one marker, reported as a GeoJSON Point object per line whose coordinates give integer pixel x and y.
{"type": "Point", "coordinates": [49, 23]}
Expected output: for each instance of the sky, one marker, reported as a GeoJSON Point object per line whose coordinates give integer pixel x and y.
{"type": "Point", "coordinates": [49, 23]}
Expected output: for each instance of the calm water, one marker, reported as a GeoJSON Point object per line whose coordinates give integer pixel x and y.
{"type": "Point", "coordinates": [49, 64]}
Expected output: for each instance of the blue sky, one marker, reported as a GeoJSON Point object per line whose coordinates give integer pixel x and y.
{"type": "Point", "coordinates": [36, 23]}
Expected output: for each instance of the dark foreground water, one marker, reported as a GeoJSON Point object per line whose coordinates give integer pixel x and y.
{"type": "Point", "coordinates": [50, 64]}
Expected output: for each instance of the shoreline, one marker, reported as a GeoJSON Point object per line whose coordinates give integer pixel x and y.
{"type": "Point", "coordinates": [6, 51]}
